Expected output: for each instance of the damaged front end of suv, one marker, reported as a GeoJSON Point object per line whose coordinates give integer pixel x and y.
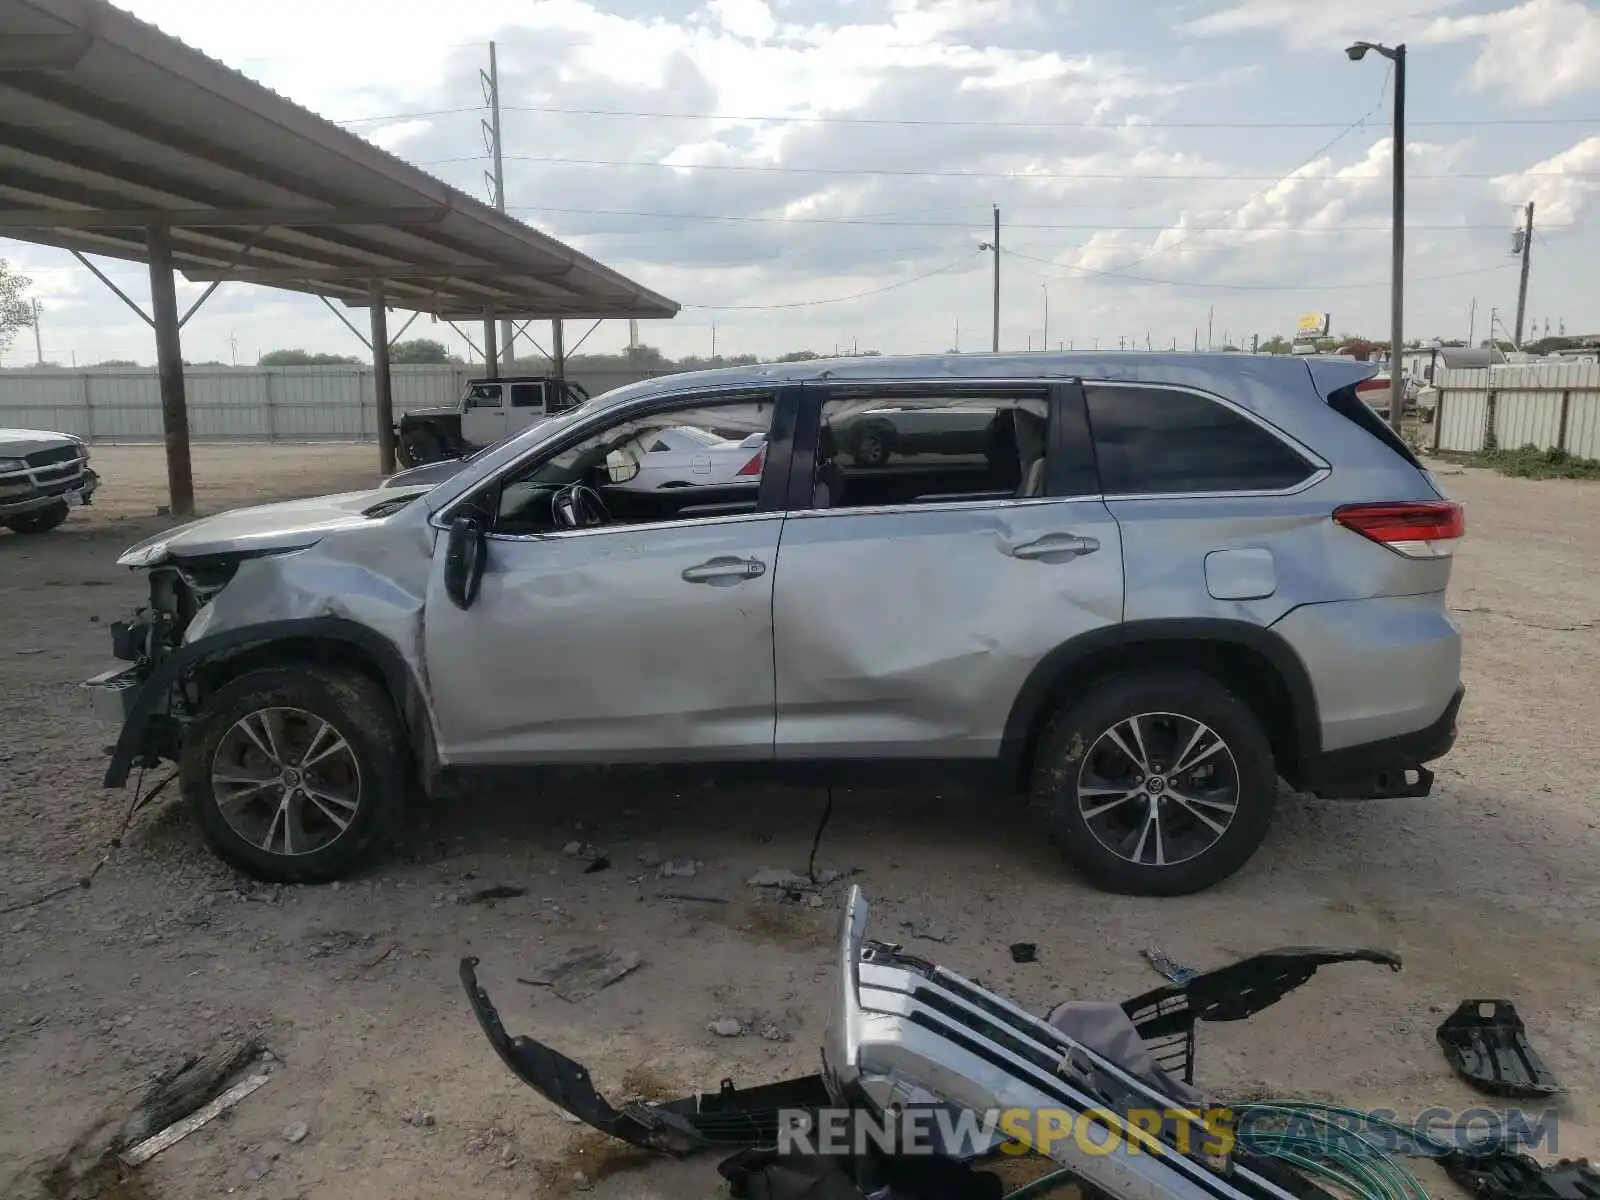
{"type": "Point", "coordinates": [275, 663]}
{"type": "Point", "coordinates": [958, 1074]}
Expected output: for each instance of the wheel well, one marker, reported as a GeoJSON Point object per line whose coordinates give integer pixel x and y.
{"type": "Point", "coordinates": [1241, 668]}
{"type": "Point", "coordinates": [211, 674]}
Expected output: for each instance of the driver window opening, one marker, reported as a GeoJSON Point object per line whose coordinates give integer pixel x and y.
{"type": "Point", "coordinates": [698, 460]}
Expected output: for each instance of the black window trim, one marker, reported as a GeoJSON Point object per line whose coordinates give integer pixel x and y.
{"type": "Point", "coordinates": [1071, 468]}
{"type": "Point", "coordinates": [775, 473]}
{"type": "Point", "coordinates": [1320, 468]}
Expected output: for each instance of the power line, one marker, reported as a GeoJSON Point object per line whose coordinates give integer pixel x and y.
{"type": "Point", "coordinates": [1249, 287]}
{"type": "Point", "coordinates": [951, 122]}
{"type": "Point", "coordinates": [412, 116]}
{"type": "Point", "coordinates": [895, 172]}
{"type": "Point", "coordinates": [1090, 225]}
{"type": "Point", "coordinates": [878, 291]}
{"type": "Point", "coordinates": [1311, 158]}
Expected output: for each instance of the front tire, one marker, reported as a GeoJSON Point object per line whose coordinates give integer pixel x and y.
{"type": "Point", "coordinates": [40, 520]}
{"type": "Point", "coordinates": [1160, 783]}
{"type": "Point", "coordinates": [420, 446]}
{"type": "Point", "coordinates": [295, 774]}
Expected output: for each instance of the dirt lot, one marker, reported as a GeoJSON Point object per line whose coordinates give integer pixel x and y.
{"type": "Point", "coordinates": [1488, 888]}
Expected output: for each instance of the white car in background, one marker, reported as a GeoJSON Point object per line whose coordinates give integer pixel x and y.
{"type": "Point", "coordinates": [682, 456]}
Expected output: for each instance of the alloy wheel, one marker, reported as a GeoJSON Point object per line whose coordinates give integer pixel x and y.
{"type": "Point", "coordinates": [1158, 789]}
{"type": "Point", "coordinates": [286, 780]}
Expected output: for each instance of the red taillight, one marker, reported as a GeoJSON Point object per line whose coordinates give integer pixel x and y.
{"type": "Point", "coordinates": [1414, 528]}
{"type": "Point", "coordinates": [753, 467]}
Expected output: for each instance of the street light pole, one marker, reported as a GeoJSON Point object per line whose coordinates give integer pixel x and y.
{"type": "Point", "coordinates": [1396, 55]}
{"type": "Point", "coordinates": [994, 248]}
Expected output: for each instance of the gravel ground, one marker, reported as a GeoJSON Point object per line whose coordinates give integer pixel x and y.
{"type": "Point", "coordinates": [1488, 888]}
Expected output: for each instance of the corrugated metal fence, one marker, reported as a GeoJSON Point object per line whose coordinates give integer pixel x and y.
{"type": "Point", "coordinates": [1547, 405]}
{"type": "Point", "coordinates": [292, 404]}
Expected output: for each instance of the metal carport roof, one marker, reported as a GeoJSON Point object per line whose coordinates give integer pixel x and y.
{"type": "Point", "coordinates": [117, 139]}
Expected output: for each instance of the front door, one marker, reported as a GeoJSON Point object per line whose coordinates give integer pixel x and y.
{"type": "Point", "coordinates": [918, 591]}
{"type": "Point", "coordinates": [647, 637]}
{"type": "Point", "coordinates": [483, 414]}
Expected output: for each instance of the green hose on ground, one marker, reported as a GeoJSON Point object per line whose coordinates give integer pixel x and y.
{"type": "Point", "coordinates": [1334, 1149]}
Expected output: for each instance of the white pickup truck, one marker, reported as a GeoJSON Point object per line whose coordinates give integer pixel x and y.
{"type": "Point", "coordinates": [42, 475]}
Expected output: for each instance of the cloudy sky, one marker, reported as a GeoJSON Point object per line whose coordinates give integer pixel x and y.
{"type": "Point", "coordinates": [820, 173]}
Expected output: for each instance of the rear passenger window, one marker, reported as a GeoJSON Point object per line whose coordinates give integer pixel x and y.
{"type": "Point", "coordinates": [894, 449]}
{"type": "Point", "coordinates": [1161, 440]}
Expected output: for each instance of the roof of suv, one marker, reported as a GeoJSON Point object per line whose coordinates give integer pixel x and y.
{"type": "Point", "coordinates": [1220, 372]}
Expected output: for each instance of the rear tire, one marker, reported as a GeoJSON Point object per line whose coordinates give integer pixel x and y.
{"type": "Point", "coordinates": [1187, 818]}
{"type": "Point", "coordinates": [872, 446]}
{"type": "Point", "coordinates": [420, 445]}
{"type": "Point", "coordinates": [40, 520]}
{"type": "Point", "coordinates": [295, 774]}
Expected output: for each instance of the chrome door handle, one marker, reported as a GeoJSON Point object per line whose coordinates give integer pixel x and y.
{"type": "Point", "coordinates": [724, 570]}
{"type": "Point", "coordinates": [1055, 547]}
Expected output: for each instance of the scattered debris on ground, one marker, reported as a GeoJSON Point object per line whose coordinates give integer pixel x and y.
{"type": "Point", "coordinates": [928, 931]}
{"type": "Point", "coordinates": [583, 971]}
{"type": "Point", "coordinates": [726, 1027]}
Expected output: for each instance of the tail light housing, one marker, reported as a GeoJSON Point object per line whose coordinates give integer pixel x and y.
{"type": "Point", "coordinates": [752, 469]}
{"type": "Point", "coordinates": [1413, 528]}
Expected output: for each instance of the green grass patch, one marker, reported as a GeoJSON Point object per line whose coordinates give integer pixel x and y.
{"type": "Point", "coordinates": [1530, 463]}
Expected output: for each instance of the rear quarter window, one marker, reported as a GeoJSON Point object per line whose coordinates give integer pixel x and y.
{"type": "Point", "coordinates": [1161, 441]}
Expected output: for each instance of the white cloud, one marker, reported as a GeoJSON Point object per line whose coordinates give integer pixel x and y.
{"type": "Point", "coordinates": [1558, 198]}
{"type": "Point", "coordinates": [1024, 74]}
{"type": "Point", "coordinates": [1308, 24]}
{"type": "Point", "coordinates": [1535, 52]}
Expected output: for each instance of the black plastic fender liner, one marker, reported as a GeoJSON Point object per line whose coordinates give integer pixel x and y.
{"type": "Point", "coordinates": [729, 1118]}
{"type": "Point", "coordinates": [154, 691]}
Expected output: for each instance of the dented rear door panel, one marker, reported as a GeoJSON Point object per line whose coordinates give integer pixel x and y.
{"type": "Point", "coordinates": [908, 630]}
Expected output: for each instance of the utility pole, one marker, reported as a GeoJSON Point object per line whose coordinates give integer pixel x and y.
{"type": "Point", "coordinates": [713, 339]}
{"type": "Point", "coordinates": [1472, 321]}
{"type": "Point", "coordinates": [38, 343]}
{"type": "Point", "coordinates": [1211, 315]}
{"type": "Point", "coordinates": [491, 132]}
{"type": "Point", "coordinates": [1045, 344]}
{"type": "Point", "coordinates": [956, 345]}
{"type": "Point", "coordinates": [994, 247]}
{"type": "Point", "coordinates": [1525, 236]}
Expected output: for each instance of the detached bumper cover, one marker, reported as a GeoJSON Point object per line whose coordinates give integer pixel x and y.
{"type": "Point", "coordinates": [906, 1032]}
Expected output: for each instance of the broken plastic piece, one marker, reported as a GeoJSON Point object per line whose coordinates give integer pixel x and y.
{"type": "Point", "coordinates": [1166, 1016]}
{"type": "Point", "coordinates": [1503, 1175]}
{"type": "Point", "coordinates": [1487, 1044]}
{"type": "Point", "coordinates": [730, 1117]}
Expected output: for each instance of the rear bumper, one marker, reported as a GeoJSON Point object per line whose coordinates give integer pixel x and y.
{"type": "Point", "coordinates": [1383, 769]}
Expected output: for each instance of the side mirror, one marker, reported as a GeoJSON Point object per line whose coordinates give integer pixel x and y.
{"type": "Point", "coordinates": [464, 557]}
{"type": "Point", "coordinates": [622, 466]}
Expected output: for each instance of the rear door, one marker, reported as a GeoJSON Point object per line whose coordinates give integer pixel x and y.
{"type": "Point", "coordinates": [527, 406]}
{"type": "Point", "coordinates": [915, 593]}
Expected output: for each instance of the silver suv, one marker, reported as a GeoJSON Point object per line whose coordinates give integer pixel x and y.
{"type": "Point", "coordinates": [1138, 588]}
